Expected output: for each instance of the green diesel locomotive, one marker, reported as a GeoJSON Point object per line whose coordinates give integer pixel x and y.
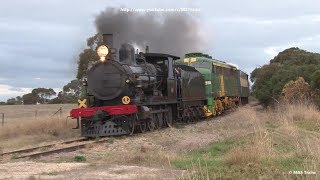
{"type": "Point", "coordinates": [226, 86]}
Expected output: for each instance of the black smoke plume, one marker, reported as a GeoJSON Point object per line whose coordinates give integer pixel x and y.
{"type": "Point", "coordinates": [174, 33]}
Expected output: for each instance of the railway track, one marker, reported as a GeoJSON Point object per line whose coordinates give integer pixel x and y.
{"type": "Point", "coordinates": [45, 150]}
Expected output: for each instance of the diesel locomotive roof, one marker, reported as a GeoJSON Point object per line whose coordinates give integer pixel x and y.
{"type": "Point", "coordinates": [159, 56]}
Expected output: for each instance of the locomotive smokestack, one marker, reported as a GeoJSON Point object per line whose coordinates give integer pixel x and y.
{"type": "Point", "coordinates": [108, 39]}
{"type": "Point", "coordinates": [147, 49]}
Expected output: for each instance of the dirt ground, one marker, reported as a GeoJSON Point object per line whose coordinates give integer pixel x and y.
{"type": "Point", "coordinates": [142, 156]}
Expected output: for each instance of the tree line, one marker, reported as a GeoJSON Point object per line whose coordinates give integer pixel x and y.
{"type": "Point", "coordinates": [69, 94]}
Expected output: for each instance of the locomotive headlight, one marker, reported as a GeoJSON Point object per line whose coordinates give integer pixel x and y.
{"type": "Point", "coordinates": [103, 51]}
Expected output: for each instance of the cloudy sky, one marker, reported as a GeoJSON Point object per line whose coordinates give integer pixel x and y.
{"type": "Point", "coordinates": [41, 39]}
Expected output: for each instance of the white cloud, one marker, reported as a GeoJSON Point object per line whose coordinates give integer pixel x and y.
{"type": "Point", "coordinates": [274, 50]}
{"type": "Point", "coordinates": [9, 91]}
{"type": "Point", "coordinates": [271, 51]}
{"type": "Point", "coordinates": [303, 43]}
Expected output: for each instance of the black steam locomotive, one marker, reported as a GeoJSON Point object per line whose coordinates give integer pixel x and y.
{"type": "Point", "coordinates": [138, 92]}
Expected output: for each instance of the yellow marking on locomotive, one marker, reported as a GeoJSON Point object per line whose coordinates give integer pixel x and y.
{"type": "Point", "coordinates": [208, 112]}
{"type": "Point", "coordinates": [82, 104]}
{"type": "Point", "coordinates": [126, 99]}
{"type": "Point", "coordinates": [193, 60]}
{"type": "Point", "coordinates": [189, 60]}
{"type": "Point", "coordinates": [218, 107]}
{"type": "Point", "coordinates": [223, 93]}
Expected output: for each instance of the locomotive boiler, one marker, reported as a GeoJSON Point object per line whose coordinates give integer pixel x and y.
{"type": "Point", "coordinates": [129, 92]}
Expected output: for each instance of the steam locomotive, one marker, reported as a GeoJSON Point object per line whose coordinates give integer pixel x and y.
{"type": "Point", "coordinates": [129, 92]}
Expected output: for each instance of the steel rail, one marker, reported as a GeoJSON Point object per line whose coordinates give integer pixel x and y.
{"type": "Point", "coordinates": [59, 150]}
{"type": "Point", "coordinates": [42, 147]}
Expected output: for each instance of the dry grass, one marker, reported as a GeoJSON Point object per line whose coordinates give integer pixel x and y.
{"type": "Point", "coordinates": [284, 139]}
{"type": "Point", "coordinates": [288, 123]}
{"type": "Point", "coordinates": [18, 113]}
{"type": "Point", "coordinates": [23, 128]}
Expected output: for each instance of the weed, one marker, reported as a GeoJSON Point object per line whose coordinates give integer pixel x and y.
{"type": "Point", "coordinates": [110, 140]}
{"type": "Point", "coordinates": [79, 158]}
{"type": "Point", "coordinates": [52, 173]}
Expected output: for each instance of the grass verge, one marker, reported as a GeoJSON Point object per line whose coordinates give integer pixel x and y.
{"type": "Point", "coordinates": [282, 143]}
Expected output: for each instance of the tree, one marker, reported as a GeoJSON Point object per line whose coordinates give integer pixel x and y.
{"type": "Point", "coordinates": [11, 101]}
{"type": "Point", "coordinates": [315, 83]}
{"type": "Point", "coordinates": [14, 101]}
{"type": "Point", "coordinates": [30, 98]}
{"type": "Point", "coordinates": [69, 94]}
{"type": "Point", "coordinates": [270, 79]}
{"type": "Point", "coordinates": [88, 55]}
{"type": "Point", "coordinates": [37, 95]}
{"type": "Point", "coordinates": [73, 88]}
{"type": "Point", "coordinates": [43, 94]}
{"type": "Point", "coordinates": [19, 100]}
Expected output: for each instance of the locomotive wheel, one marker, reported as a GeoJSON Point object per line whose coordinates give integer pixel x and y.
{"type": "Point", "coordinates": [158, 120]}
{"type": "Point", "coordinates": [168, 117]}
{"type": "Point", "coordinates": [186, 118]}
{"type": "Point", "coordinates": [167, 120]}
{"type": "Point", "coordinates": [142, 126]}
{"type": "Point", "coordinates": [151, 124]}
{"type": "Point", "coordinates": [198, 114]}
{"type": "Point", "coordinates": [131, 125]}
{"type": "Point", "coordinates": [192, 119]}
{"type": "Point", "coordinates": [202, 112]}
{"type": "Point", "coordinates": [192, 115]}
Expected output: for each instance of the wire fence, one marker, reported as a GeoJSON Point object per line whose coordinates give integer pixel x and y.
{"type": "Point", "coordinates": [10, 114]}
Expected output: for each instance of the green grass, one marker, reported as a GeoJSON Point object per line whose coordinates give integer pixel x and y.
{"type": "Point", "coordinates": [212, 161]}
{"type": "Point", "coordinates": [14, 157]}
{"type": "Point", "coordinates": [52, 173]}
{"type": "Point", "coordinates": [207, 157]}
{"type": "Point", "coordinates": [80, 158]}
{"type": "Point", "coordinates": [179, 125]}
{"type": "Point", "coordinates": [282, 145]}
{"type": "Point", "coordinates": [110, 140]}
{"type": "Point", "coordinates": [290, 163]}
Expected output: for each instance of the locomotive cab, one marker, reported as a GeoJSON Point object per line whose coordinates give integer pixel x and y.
{"type": "Point", "coordinates": [165, 63]}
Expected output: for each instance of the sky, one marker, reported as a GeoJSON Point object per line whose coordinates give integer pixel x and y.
{"type": "Point", "coordinates": [40, 39]}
